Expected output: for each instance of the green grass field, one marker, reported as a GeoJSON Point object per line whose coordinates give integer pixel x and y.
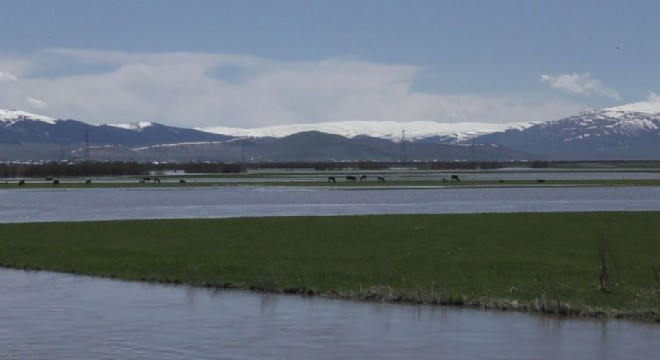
{"type": "Point", "coordinates": [544, 262]}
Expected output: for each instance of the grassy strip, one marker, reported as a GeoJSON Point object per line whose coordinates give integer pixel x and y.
{"type": "Point", "coordinates": [72, 184]}
{"type": "Point", "coordinates": [543, 262]}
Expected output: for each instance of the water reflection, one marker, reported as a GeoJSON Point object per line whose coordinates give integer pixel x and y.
{"type": "Point", "coordinates": [47, 315]}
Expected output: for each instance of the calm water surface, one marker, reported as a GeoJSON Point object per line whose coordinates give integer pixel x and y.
{"type": "Point", "coordinates": [218, 202]}
{"type": "Point", "coordinates": [45, 315]}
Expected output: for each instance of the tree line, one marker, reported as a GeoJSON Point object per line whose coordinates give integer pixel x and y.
{"type": "Point", "coordinates": [115, 168]}
{"type": "Point", "coordinates": [123, 168]}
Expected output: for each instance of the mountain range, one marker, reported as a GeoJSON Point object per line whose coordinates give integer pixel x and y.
{"type": "Point", "coordinates": [627, 132]}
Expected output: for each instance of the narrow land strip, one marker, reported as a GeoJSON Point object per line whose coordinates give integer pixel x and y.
{"type": "Point", "coordinates": [66, 183]}
{"type": "Point", "coordinates": [590, 264]}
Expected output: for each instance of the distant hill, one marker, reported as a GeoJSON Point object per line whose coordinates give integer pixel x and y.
{"type": "Point", "coordinates": [628, 132]}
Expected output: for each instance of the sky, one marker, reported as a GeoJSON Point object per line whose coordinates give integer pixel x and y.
{"type": "Point", "coordinates": [255, 63]}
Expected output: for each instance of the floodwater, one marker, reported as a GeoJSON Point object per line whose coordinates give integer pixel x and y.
{"type": "Point", "coordinates": [36, 205]}
{"type": "Point", "coordinates": [46, 315]}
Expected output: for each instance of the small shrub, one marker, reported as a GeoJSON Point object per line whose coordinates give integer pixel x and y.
{"type": "Point", "coordinates": [607, 265]}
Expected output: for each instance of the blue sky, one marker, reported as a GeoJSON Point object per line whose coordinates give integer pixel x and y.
{"type": "Point", "coordinates": [256, 63]}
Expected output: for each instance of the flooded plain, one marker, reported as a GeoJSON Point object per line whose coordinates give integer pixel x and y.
{"type": "Point", "coordinates": [37, 205]}
{"type": "Point", "coordinates": [47, 315]}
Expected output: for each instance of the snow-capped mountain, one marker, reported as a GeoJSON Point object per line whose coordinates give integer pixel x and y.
{"type": "Point", "coordinates": [447, 133]}
{"type": "Point", "coordinates": [20, 127]}
{"type": "Point", "coordinates": [630, 131]}
{"type": "Point", "coordinates": [8, 117]}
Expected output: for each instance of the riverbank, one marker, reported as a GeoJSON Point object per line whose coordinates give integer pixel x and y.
{"type": "Point", "coordinates": [590, 264]}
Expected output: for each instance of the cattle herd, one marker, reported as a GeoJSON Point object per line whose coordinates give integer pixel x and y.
{"type": "Point", "coordinates": [331, 179]}
{"type": "Point", "coordinates": [353, 178]}
{"type": "Point", "coordinates": [56, 182]}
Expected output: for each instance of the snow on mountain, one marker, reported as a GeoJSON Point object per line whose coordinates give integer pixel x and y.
{"type": "Point", "coordinates": [391, 130]}
{"type": "Point", "coordinates": [628, 120]}
{"type": "Point", "coordinates": [644, 107]}
{"type": "Point", "coordinates": [9, 117]}
{"type": "Point", "coordinates": [630, 131]}
{"type": "Point", "coordinates": [135, 126]}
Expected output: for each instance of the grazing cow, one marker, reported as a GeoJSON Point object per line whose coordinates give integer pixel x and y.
{"type": "Point", "coordinates": [351, 178]}
{"type": "Point", "coordinates": [88, 182]}
{"type": "Point", "coordinates": [49, 179]}
{"type": "Point", "coordinates": [501, 180]}
{"type": "Point", "coordinates": [156, 180]}
{"type": "Point", "coordinates": [182, 181]}
{"type": "Point", "coordinates": [332, 179]}
{"type": "Point", "coordinates": [363, 178]}
{"type": "Point", "coordinates": [146, 180]}
{"type": "Point", "coordinates": [540, 180]}
{"type": "Point", "coordinates": [21, 182]}
{"type": "Point", "coordinates": [381, 179]}
{"type": "Point", "coordinates": [56, 183]}
{"type": "Point", "coordinates": [455, 178]}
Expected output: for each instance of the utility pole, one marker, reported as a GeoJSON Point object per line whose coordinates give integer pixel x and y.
{"type": "Point", "coordinates": [474, 153]}
{"type": "Point", "coordinates": [86, 148]}
{"type": "Point", "coordinates": [404, 154]}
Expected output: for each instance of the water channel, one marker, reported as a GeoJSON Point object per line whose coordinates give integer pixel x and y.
{"type": "Point", "coordinates": [31, 205]}
{"type": "Point", "coordinates": [45, 315]}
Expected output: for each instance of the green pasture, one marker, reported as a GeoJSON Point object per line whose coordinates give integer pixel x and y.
{"type": "Point", "coordinates": [596, 264]}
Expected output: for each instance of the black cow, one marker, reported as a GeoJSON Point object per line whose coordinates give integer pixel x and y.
{"type": "Point", "coordinates": [455, 178]}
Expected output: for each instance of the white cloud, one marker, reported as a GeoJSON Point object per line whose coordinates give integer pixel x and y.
{"type": "Point", "coordinates": [7, 77]}
{"type": "Point", "coordinates": [36, 103]}
{"type": "Point", "coordinates": [653, 96]}
{"type": "Point", "coordinates": [582, 84]}
{"type": "Point", "coordinates": [201, 90]}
